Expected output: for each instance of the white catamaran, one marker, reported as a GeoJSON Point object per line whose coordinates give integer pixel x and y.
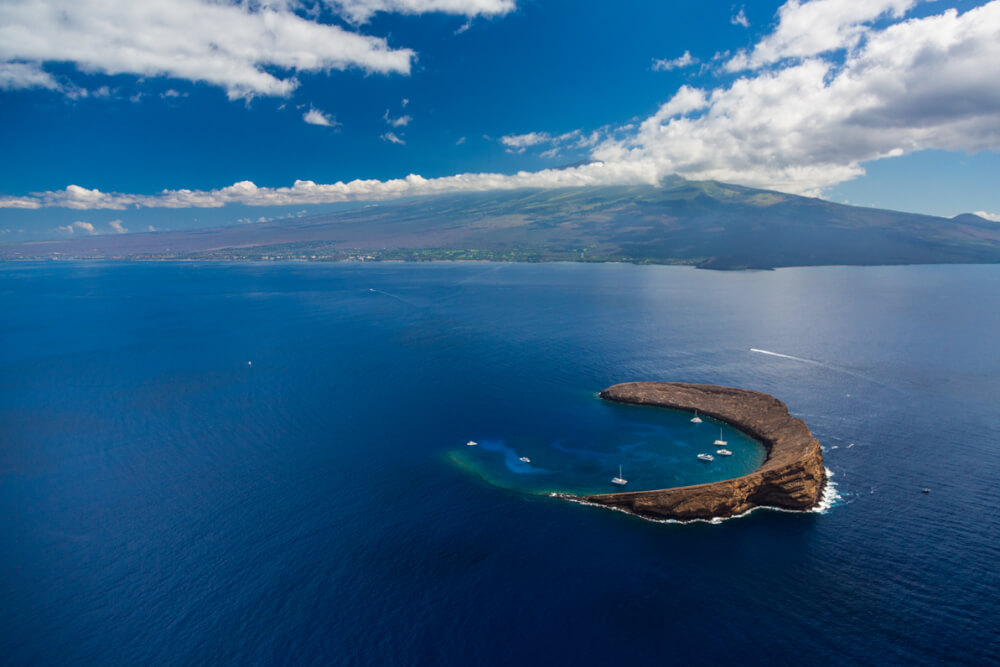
{"type": "Point", "coordinates": [619, 480]}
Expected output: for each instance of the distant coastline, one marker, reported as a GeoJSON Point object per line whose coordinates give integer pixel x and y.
{"type": "Point", "coordinates": [792, 476]}
{"type": "Point", "coordinates": [705, 224]}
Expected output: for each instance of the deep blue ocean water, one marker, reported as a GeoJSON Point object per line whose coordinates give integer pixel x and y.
{"type": "Point", "coordinates": [165, 502]}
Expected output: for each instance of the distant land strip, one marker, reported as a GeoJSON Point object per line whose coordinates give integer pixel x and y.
{"type": "Point", "coordinates": [697, 223]}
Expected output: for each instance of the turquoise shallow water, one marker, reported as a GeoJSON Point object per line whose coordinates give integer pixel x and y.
{"type": "Point", "coordinates": [655, 448]}
{"type": "Point", "coordinates": [163, 502]}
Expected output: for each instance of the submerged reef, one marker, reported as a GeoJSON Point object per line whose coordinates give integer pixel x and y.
{"type": "Point", "coordinates": [792, 476]}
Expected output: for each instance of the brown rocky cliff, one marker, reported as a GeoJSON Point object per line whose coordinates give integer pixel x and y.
{"type": "Point", "coordinates": [791, 477]}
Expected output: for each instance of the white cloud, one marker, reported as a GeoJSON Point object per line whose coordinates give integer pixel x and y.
{"type": "Point", "coordinates": [995, 217]}
{"type": "Point", "coordinates": [811, 28]}
{"type": "Point", "coordinates": [664, 65]}
{"type": "Point", "coordinates": [246, 48]}
{"type": "Point", "coordinates": [308, 192]}
{"type": "Point", "coordinates": [516, 143]}
{"type": "Point", "coordinates": [317, 117]}
{"type": "Point", "coordinates": [85, 226]}
{"type": "Point", "coordinates": [360, 11]}
{"type": "Point", "coordinates": [461, 140]}
{"type": "Point", "coordinates": [926, 83]}
{"type": "Point", "coordinates": [392, 138]}
{"type": "Point", "coordinates": [798, 125]}
{"type": "Point", "coordinates": [15, 76]}
{"type": "Point", "coordinates": [31, 202]}
{"type": "Point", "coordinates": [117, 226]}
{"type": "Point", "coordinates": [405, 102]}
{"type": "Point", "coordinates": [402, 121]}
{"type": "Point", "coordinates": [740, 18]}
{"type": "Point", "coordinates": [151, 228]}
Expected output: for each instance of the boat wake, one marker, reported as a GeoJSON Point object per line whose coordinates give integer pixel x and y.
{"type": "Point", "coordinates": [787, 356]}
{"type": "Point", "coordinates": [372, 290]}
{"type": "Point", "coordinates": [831, 367]}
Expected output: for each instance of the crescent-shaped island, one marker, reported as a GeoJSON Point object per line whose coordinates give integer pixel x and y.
{"type": "Point", "coordinates": [792, 476]}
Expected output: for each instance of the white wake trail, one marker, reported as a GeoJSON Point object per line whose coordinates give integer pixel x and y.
{"type": "Point", "coordinates": [837, 369]}
{"type": "Point", "coordinates": [788, 356]}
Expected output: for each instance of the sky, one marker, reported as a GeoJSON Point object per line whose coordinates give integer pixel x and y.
{"type": "Point", "coordinates": [119, 116]}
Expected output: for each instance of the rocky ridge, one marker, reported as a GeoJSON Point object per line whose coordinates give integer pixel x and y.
{"type": "Point", "coordinates": [791, 477]}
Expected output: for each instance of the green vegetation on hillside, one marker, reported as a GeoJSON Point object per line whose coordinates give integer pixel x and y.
{"type": "Point", "coordinates": [708, 224]}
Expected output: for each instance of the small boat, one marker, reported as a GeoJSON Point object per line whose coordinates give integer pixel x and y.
{"type": "Point", "coordinates": [724, 452]}
{"type": "Point", "coordinates": [925, 490]}
{"type": "Point", "coordinates": [696, 419]}
{"type": "Point", "coordinates": [706, 457]}
{"type": "Point", "coordinates": [524, 459]}
{"type": "Point", "coordinates": [720, 442]}
{"type": "Point", "coordinates": [619, 480]}
{"type": "Point", "coordinates": [471, 443]}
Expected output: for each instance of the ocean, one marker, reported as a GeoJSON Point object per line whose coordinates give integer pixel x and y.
{"type": "Point", "coordinates": [266, 463]}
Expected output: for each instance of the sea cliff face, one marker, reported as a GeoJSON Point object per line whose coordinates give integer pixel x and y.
{"type": "Point", "coordinates": [791, 477]}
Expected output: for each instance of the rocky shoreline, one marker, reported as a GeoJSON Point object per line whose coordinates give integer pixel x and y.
{"type": "Point", "coordinates": [792, 476]}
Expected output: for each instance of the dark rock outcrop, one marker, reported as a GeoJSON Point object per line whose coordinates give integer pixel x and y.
{"type": "Point", "coordinates": [791, 477]}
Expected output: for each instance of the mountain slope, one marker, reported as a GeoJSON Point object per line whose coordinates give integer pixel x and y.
{"type": "Point", "coordinates": [709, 224]}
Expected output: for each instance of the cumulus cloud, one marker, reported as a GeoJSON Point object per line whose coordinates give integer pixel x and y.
{"type": "Point", "coordinates": [247, 48]}
{"type": "Point", "coordinates": [808, 124]}
{"type": "Point", "coordinates": [664, 65]}
{"type": "Point", "coordinates": [740, 18]}
{"type": "Point", "coordinates": [85, 226]}
{"type": "Point", "coordinates": [309, 192]}
{"type": "Point", "coordinates": [392, 138]}
{"type": "Point", "coordinates": [360, 11]}
{"type": "Point", "coordinates": [118, 227]}
{"type": "Point", "coordinates": [556, 143]}
{"type": "Point", "coordinates": [811, 28]}
{"type": "Point", "coordinates": [800, 124]}
{"type": "Point", "coordinates": [402, 121]}
{"type": "Point", "coordinates": [516, 143]}
{"type": "Point", "coordinates": [317, 117]}
{"type": "Point", "coordinates": [995, 217]}
{"type": "Point", "coordinates": [15, 76]}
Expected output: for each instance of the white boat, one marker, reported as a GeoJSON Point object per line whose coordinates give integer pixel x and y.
{"type": "Point", "coordinates": [524, 459]}
{"type": "Point", "coordinates": [706, 457]}
{"type": "Point", "coordinates": [619, 480]}
{"type": "Point", "coordinates": [696, 419]}
{"type": "Point", "coordinates": [471, 443]}
{"type": "Point", "coordinates": [720, 442]}
{"type": "Point", "coordinates": [724, 452]}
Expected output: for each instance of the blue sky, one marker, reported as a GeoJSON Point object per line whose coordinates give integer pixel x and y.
{"type": "Point", "coordinates": [183, 113]}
